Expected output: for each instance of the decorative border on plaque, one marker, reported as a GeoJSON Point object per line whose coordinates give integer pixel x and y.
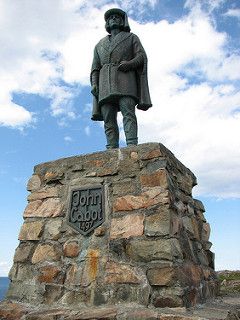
{"type": "Point", "coordinates": [86, 208]}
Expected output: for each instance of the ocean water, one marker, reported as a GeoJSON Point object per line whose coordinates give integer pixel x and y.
{"type": "Point", "coordinates": [4, 282]}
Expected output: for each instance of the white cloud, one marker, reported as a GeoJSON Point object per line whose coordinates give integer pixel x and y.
{"type": "Point", "coordinates": [12, 115]}
{"type": "Point", "coordinates": [87, 131]}
{"type": "Point", "coordinates": [193, 77]}
{"type": "Point", "coordinates": [199, 122]}
{"type": "Point", "coordinates": [31, 41]}
{"type": "Point", "coordinates": [233, 13]}
{"type": "Point", "coordinates": [43, 43]}
{"type": "Point", "coordinates": [4, 268]}
{"type": "Point", "coordinates": [209, 5]}
{"type": "Point", "coordinates": [68, 139]}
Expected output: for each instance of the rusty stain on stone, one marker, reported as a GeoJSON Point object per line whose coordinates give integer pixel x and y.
{"type": "Point", "coordinates": [93, 257]}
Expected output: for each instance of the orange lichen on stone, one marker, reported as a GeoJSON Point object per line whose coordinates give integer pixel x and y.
{"type": "Point", "coordinates": [93, 257]}
{"type": "Point", "coordinates": [91, 268]}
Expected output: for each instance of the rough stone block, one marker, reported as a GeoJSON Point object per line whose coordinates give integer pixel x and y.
{"type": "Point", "coordinates": [158, 178]}
{"type": "Point", "coordinates": [34, 183]}
{"type": "Point", "coordinates": [161, 276]}
{"type": "Point", "coordinates": [150, 152]}
{"type": "Point", "coordinates": [31, 230]}
{"type": "Point", "coordinates": [127, 226]}
{"type": "Point", "coordinates": [190, 275]}
{"type": "Point", "coordinates": [12, 311]}
{"type": "Point", "coordinates": [147, 199]}
{"type": "Point", "coordinates": [25, 291]}
{"type": "Point", "coordinates": [134, 156]}
{"type": "Point", "coordinates": [187, 223]}
{"type": "Point", "coordinates": [49, 274]}
{"type": "Point", "coordinates": [200, 216]}
{"type": "Point", "coordinates": [74, 275]}
{"type": "Point", "coordinates": [186, 183]}
{"type": "Point", "coordinates": [51, 207]}
{"type": "Point", "coordinates": [100, 231]}
{"type": "Point", "coordinates": [71, 249]}
{"type": "Point", "coordinates": [127, 167]}
{"type": "Point", "coordinates": [199, 205]}
{"type": "Point", "coordinates": [205, 232]}
{"type": "Point", "coordinates": [176, 225]}
{"type": "Point", "coordinates": [46, 252]}
{"type": "Point", "coordinates": [52, 192]}
{"type": "Point", "coordinates": [168, 299]}
{"type": "Point", "coordinates": [189, 251]}
{"type": "Point", "coordinates": [25, 273]}
{"type": "Point", "coordinates": [152, 250]}
{"type": "Point", "coordinates": [53, 176]}
{"type": "Point", "coordinates": [158, 224]}
{"type": "Point", "coordinates": [31, 208]}
{"type": "Point", "coordinates": [120, 273]}
{"type": "Point", "coordinates": [53, 229]}
{"type": "Point", "coordinates": [52, 293]}
{"type": "Point", "coordinates": [101, 166]}
{"type": "Point", "coordinates": [195, 225]}
{"type": "Point", "coordinates": [23, 252]}
{"type": "Point", "coordinates": [124, 187]}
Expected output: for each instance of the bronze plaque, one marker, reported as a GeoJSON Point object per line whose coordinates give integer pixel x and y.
{"type": "Point", "coordinates": [86, 210]}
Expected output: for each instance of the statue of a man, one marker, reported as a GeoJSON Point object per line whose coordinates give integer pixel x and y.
{"type": "Point", "coordinates": [119, 79]}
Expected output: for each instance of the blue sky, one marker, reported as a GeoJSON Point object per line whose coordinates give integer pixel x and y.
{"type": "Point", "coordinates": [194, 76]}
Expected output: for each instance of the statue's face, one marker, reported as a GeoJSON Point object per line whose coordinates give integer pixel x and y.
{"type": "Point", "coordinates": [115, 21]}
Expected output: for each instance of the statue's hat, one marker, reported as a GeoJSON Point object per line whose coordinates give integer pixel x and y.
{"type": "Point", "coordinates": [114, 11]}
{"type": "Point", "coordinates": [119, 12]}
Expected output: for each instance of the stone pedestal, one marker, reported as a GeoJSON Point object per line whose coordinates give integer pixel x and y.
{"type": "Point", "coordinates": [152, 248]}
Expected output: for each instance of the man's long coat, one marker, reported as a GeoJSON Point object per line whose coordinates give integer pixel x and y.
{"type": "Point", "coordinates": [113, 83]}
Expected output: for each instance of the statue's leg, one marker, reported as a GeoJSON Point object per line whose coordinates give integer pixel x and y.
{"type": "Point", "coordinates": [109, 113]}
{"type": "Point", "coordinates": [127, 108]}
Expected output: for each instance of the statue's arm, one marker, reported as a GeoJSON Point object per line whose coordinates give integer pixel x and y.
{"type": "Point", "coordinates": [94, 77]}
{"type": "Point", "coordinates": [95, 82]}
{"type": "Point", "coordinates": [139, 57]}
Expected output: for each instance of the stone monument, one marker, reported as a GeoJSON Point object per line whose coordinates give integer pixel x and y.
{"type": "Point", "coordinates": [118, 226]}
{"type": "Point", "coordinates": [115, 227]}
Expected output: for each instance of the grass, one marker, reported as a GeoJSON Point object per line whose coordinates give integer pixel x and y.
{"type": "Point", "coordinates": [230, 282]}
{"type": "Point", "coordinates": [229, 275]}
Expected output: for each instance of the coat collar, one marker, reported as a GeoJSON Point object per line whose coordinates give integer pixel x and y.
{"type": "Point", "coordinates": [111, 45]}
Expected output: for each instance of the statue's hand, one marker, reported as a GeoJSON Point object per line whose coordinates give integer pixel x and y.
{"type": "Point", "coordinates": [124, 66]}
{"type": "Point", "coordinates": [94, 90]}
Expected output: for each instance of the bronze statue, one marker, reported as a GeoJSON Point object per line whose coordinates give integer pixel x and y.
{"type": "Point", "coordinates": [119, 79]}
